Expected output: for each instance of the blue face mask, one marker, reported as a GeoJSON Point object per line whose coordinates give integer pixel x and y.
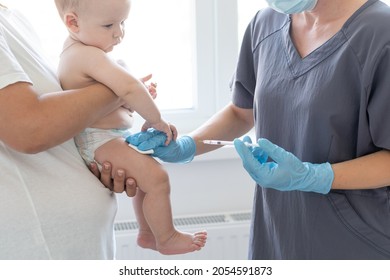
{"type": "Point", "coordinates": [292, 6]}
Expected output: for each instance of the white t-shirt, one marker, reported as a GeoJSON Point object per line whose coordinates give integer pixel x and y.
{"type": "Point", "coordinates": [51, 206]}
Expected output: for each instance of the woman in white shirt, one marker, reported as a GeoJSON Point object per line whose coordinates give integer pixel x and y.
{"type": "Point", "coordinates": [51, 206]}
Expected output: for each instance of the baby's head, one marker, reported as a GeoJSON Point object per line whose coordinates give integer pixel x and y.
{"type": "Point", "coordinates": [98, 23]}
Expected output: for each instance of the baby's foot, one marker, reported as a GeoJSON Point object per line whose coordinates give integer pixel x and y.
{"type": "Point", "coordinates": [146, 240]}
{"type": "Point", "coordinates": [182, 242]}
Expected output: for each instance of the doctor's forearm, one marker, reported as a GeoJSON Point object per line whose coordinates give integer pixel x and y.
{"type": "Point", "coordinates": [368, 172]}
{"type": "Point", "coordinates": [231, 122]}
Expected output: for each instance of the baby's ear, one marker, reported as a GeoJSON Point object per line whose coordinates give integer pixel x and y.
{"type": "Point", "coordinates": [71, 22]}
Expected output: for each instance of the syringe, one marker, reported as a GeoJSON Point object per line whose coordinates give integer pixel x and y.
{"type": "Point", "coordinates": [225, 143]}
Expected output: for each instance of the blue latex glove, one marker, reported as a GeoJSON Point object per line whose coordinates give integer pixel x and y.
{"type": "Point", "coordinates": [286, 172]}
{"type": "Point", "coordinates": [180, 151]}
{"type": "Point", "coordinates": [147, 140]}
{"type": "Point", "coordinates": [258, 153]}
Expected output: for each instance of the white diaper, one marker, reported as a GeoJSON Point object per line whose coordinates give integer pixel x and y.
{"type": "Point", "coordinates": [92, 138]}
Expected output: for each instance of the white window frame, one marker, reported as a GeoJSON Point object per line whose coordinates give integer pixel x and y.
{"type": "Point", "coordinates": [216, 56]}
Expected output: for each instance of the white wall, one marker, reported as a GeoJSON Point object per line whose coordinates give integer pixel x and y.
{"type": "Point", "coordinates": [212, 183]}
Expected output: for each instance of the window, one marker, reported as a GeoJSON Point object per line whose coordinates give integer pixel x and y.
{"type": "Point", "coordinates": [246, 11]}
{"type": "Point", "coordinates": [190, 46]}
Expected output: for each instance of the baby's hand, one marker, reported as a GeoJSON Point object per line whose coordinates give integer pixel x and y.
{"type": "Point", "coordinates": [152, 87]}
{"type": "Point", "coordinates": [168, 129]}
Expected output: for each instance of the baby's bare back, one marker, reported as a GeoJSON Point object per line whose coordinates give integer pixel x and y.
{"type": "Point", "coordinates": [72, 72]}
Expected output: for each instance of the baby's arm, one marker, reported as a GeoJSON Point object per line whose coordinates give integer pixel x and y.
{"type": "Point", "coordinates": [95, 64]}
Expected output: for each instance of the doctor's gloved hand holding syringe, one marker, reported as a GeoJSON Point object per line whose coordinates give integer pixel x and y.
{"type": "Point", "coordinates": [284, 173]}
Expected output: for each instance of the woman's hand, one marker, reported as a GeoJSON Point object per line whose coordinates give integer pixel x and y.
{"type": "Point", "coordinates": [181, 150]}
{"type": "Point", "coordinates": [273, 167]}
{"type": "Point", "coordinates": [119, 183]}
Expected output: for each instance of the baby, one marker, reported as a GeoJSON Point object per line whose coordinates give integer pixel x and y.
{"type": "Point", "coordinates": [95, 27]}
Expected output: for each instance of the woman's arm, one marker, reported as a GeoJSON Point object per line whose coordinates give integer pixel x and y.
{"type": "Point", "coordinates": [367, 172]}
{"type": "Point", "coordinates": [31, 123]}
{"type": "Point", "coordinates": [231, 122]}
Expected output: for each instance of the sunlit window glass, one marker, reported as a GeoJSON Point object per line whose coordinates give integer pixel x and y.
{"type": "Point", "coordinates": [159, 40]}
{"type": "Point", "coordinates": [246, 11]}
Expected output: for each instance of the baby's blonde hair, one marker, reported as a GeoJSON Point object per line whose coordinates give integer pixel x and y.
{"type": "Point", "coordinates": [65, 6]}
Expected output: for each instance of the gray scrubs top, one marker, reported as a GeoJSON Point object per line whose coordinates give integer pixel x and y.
{"type": "Point", "coordinates": [331, 106]}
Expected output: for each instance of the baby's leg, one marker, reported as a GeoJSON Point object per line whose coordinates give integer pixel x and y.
{"type": "Point", "coordinates": [146, 237]}
{"type": "Point", "coordinates": [153, 180]}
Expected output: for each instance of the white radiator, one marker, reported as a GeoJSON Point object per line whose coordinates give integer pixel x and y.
{"type": "Point", "coordinates": [228, 238]}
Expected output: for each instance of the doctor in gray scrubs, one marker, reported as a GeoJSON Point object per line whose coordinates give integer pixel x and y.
{"type": "Point", "coordinates": [313, 80]}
